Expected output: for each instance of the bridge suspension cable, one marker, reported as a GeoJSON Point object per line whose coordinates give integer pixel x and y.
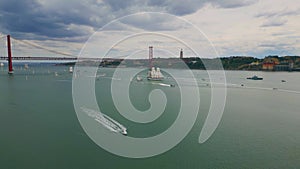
{"type": "Point", "coordinates": [23, 44]}
{"type": "Point", "coordinates": [43, 48]}
{"type": "Point", "coordinates": [3, 48]}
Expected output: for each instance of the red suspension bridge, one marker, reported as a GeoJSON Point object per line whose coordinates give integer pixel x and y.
{"type": "Point", "coordinates": [10, 57]}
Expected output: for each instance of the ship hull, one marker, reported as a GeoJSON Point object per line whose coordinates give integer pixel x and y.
{"type": "Point", "coordinates": [154, 79]}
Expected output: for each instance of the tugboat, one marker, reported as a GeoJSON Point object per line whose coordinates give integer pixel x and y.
{"type": "Point", "coordinates": [255, 78]}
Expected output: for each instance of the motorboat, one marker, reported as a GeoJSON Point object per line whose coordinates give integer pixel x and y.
{"type": "Point", "coordinates": [138, 78]}
{"type": "Point", "coordinates": [106, 121]}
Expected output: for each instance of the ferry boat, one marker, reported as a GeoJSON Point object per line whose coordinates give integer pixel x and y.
{"type": "Point", "coordinates": [255, 78]}
{"type": "Point", "coordinates": [155, 74]}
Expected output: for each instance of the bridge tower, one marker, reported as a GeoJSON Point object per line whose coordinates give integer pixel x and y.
{"type": "Point", "coordinates": [10, 68]}
{"type": "Point", "coordinates": [150, 57]}
{"type": "Point", "coordinates": [181, 54]}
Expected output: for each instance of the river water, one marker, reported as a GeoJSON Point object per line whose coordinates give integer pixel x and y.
{"type": "Point", "coordinates": [39, 126]}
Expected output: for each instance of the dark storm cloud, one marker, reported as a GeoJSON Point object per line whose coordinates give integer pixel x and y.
{"type": "Point", "coordinates": [28, 17]}
{"type": "Point", "coordinates": [15, 16]}
{"type": "Point", "coordinates": [59, 19]}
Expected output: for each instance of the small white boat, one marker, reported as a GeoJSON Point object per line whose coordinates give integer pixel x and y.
{"type": "Point", "coordinates": [138, 78]}
{"type": "Point", "coordinates": [71, 69]}
{"type": "Point", "coordinates": [1, 64]}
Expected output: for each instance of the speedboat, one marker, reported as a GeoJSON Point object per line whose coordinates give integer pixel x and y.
{"type": "Point", "coordinates": [106, 121]}
{"type": "Point", "coordinates": [124, 132]}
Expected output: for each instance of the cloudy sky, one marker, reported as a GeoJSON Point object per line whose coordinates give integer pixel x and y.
{"type": "Point", "coordinates": [235, 27]}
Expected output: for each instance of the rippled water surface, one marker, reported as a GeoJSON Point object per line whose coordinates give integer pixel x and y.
{"type": "Point", "coordinates": [39, 127]}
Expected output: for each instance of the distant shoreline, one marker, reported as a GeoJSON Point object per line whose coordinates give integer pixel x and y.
{"type": "Point", "coordinates": [246, 63]}
{"type": "Point", "coordinates": [270, 63]}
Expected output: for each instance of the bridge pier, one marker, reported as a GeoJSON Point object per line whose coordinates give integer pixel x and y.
{"type": "Point", "coordinates": [10, 68]}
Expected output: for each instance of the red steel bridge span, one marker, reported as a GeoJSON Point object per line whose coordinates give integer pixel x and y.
{"type": "Point", "coordinates": [38, 58]}
{"type": "Point", "coordinates": [10, 57]}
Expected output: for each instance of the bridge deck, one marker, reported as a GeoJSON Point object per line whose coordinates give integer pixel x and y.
{"type": "Point", "coordinates": [39, 58]}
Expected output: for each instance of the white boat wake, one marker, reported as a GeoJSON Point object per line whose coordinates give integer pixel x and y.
{"type": "Point", "coordinates": [264, 88]}
{"type": "Point", "coordinates": [164, 84]}
{"type": "Point", "coordinates": [106, 121]}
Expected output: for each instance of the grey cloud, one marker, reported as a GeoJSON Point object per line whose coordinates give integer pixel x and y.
{"type": "Point", "coordinates": [154, 22]}
{"type": "Point", "coordinates": [276, 18]}
{"type": "Point", "coordinates": [116, 5]}
{"type": "Point", "coordinates": [273, 45]}
{"type": "Point", "coordinates": [274, 22]}
{"type": "Point", "coordinates": [233, 3]}
{"type": "Point", "coordinates": [285, 33]}
{"type": "Point", "coordinates": [179, 7]}
{"type": "Point", "coordinates": [184, 7]}
{"type": "Point", "coordinates": [176, 7]}
{"type": "Point", "coordinates": [53, 19]}
{"type": "Point", "coordinates": [280, 13]}
{"type": "Point", "coordinates": [276, 47]}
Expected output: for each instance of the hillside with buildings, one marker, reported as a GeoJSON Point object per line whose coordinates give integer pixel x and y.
{"type": "Point", "coordinates": [269, 63]}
